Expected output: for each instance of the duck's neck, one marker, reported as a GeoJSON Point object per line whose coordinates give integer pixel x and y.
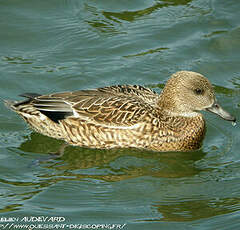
{"type": "Point", "coordinates": [174, 107]}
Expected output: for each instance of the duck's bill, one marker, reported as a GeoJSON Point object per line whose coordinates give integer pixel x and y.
{"type": "Point", "coordinates": [217, 109]}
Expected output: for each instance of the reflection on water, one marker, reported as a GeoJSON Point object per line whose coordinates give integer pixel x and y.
{"type": "Point", "coordinates": [104, 164]}
{"type": "Point", "coordinates": [80, 164]}
{"type": "Point", "coordinates": [17, 60]}
{"type": "Point", "coordinates": [134, 15]}
{"type": "Point", "coordinates": [108, 21]}
{"type": "Point", "coordinates": [189, 210]}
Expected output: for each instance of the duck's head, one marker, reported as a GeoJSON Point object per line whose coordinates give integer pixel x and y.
{"type": "Point", "coordinates": [186, 93]}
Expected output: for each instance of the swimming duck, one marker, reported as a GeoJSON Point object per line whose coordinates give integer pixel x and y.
{"type": "Point", "coordinates": [124, 116]}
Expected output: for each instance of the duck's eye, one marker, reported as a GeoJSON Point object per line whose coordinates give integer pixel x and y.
{"type": "Point", "coordinates": [198, 91]}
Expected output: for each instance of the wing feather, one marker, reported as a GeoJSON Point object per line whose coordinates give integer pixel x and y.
{"type": "Point", "coordinates": [113, 105]}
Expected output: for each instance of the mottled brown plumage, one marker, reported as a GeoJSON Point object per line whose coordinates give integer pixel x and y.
{"type": "Point", "coordinates": [126, 116]}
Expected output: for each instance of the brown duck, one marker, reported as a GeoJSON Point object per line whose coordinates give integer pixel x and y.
{"type": "Point", "coordinates": [125, 116]}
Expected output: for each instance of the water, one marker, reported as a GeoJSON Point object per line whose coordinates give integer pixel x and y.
{"type": "Point", "coordinates": [59, 45]}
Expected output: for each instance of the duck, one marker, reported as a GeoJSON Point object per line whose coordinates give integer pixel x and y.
{"type": "Point", "coordinates": [126, 116]}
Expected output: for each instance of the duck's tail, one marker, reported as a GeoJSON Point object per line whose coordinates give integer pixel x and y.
{"type": "Point", "coordinates": [10, 104]}
{"type": "Point", "coordinates": [13, 105]}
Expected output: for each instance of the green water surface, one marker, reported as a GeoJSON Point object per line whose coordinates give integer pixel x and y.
{"type": "Point", "coordinates": [60, 45]}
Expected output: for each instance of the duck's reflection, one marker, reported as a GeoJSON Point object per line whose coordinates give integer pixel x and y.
{"type": "Point", "coordinates": [122, 164]}
{"type": "Point", "coordinates": [114, 164]}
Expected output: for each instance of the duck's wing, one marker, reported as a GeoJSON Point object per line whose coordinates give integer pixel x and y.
{"type": "Point", "coordinates": [146, 94]}
{"type": "Point", "coordinates": [116, 106]}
